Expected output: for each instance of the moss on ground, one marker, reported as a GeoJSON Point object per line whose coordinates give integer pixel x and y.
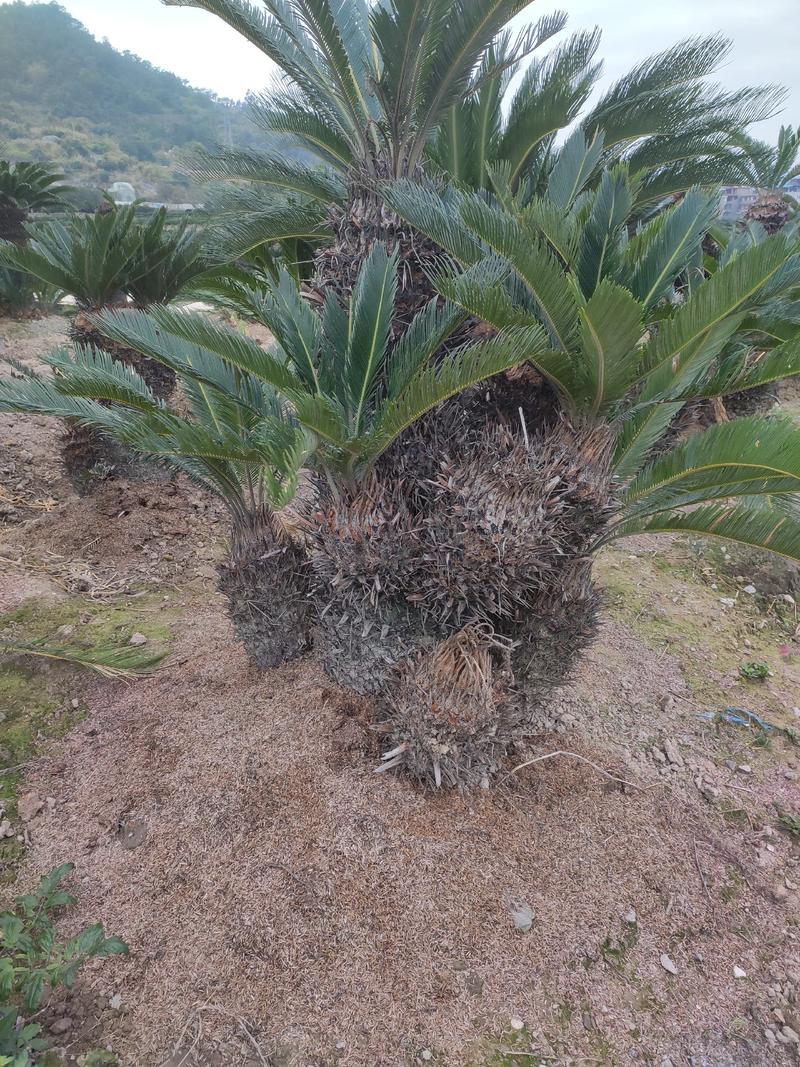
{"type": "Point", "coordinates": [36, 701]}
{"type": "Point", "coordinates": [663, 599]}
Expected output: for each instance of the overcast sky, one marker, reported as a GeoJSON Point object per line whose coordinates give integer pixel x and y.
{"type": "Point", "coordinates": [201, 49]}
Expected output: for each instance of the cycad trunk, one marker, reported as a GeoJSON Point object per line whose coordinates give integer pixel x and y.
{"type": "Point", "coordinates": [158, 378]}
{"type": "Point", "coordinates": [458, 587]}
{"type": "Point", "coordinates": [90, 457]}
{"type": "Point", "coordinates": [12, 224]}
{"type": "Point", "coordinates": [772, 210]}
{"type": "Point", "coordinates": [364, 220]}
{"type": "Point", "coordinates": [266, 580]}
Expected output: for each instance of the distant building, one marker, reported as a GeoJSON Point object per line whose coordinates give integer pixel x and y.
{"type": "Point", "coordinates": [735, 200]}
{"type": "Point", "coordinates": [793, 188]}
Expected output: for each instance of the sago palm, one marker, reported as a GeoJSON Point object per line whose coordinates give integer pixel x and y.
{"type": "Point", "coordinates": [448, 555]}
{"type": "Point", "coordinates": [392, 89]}
{"type": "Point", "coordinates": [332, 396]}
{"type": "Point", "coordinates": [24, 187]}
{"type": "Point", "coordinates": [768, 168]}
{"type": "Point", "coordinates": [520, 511]}
{"type": "Point", "coordinates": [100, 260]}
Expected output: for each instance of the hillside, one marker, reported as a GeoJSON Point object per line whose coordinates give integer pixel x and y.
{"type": "Point", "coordinates": [98, 114]}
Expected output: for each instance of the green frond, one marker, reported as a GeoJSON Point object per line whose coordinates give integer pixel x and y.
{"type": "Point", "coordinates": [663, 249]}
{"type": "Point", "coordinates": [548, 99]}
{"type": "Point", "coordinates": [745, 457]}
{"type": "Point", "coordinates": [755, 527]}
{"type": "Point", "coordinates": [179, 338]}
{"type": "Point", "coordinates": [551, 290]}
{"type": "Point", "coordinates": [274, 171]}
{"type": "Point", "coordinates": [574, 166]}
{"type": "Point", "coordinates": [605, 231]}
{"type": "Point", "coordinates": [421, 205]}
{"type": "Point", "coordinates": [612, 324]}
{"type": "Point", "coordinates": [372, 308]}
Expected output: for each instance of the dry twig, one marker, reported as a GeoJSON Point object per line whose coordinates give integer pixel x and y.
{"type": "Point", "coordinates": [574, 755]}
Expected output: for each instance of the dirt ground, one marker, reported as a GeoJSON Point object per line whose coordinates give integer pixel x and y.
{"type": "Point", "coordinates": [284, 905]}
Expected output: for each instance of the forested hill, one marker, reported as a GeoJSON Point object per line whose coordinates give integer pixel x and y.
{"type": "Point", "coordinates": [98, 114]}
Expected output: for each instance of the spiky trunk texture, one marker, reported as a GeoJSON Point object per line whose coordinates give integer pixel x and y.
{"type": "Point", "coordinates": [158, 378]}
{"type": "Point", "coordinates": [473, 543]}
{"type": "Point", "coordinates": [266, 580]}
{"type": "Point", "coordinates": [454, 711]}
{"type": "Point", "coordinates": [91, 457]}
{"type": "Point", "coordinates": [772, 210]}
{"type": "Point", "coordinates": [12, 224]}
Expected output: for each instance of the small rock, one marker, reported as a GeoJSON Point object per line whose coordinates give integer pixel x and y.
{"type": "Point", "coordinates": [744, 768]}
{"type": "Point", "coordinates": [780, 894]}
{"type": "Point", "coordinates": [790, 884]}
{"type": "Point", "coordinates": [75, 703]}
{"type": "Point", "coordinates": [62, 1025]}
{"type": "Point", "coordinates": [630, 917]}
{"type": "Point", "coordinates": [116, 1002]}
{"type": "Point", "coordinates": [739, 972]}
{"type": "Point", "coordinates": [29, 805]}
{"type": "Point", "coordinates": [658, 755]}
{"type": "Point", "coordinates": [523, 916]}
{"type": "Point", "coordinates": [666, 1062]}
{"type": "Point", "coordinates": [787, 598]}
{"type": "Point", "coordinates": [792, 1035]}
{"type": "Point", "coordinates": [6, 829]}
{"type": "Point", "coordinates": [727, 601]}
{"type": "Point", "coordinates": [137, 640]}
{"type": "Point", "coordinates": [517, 1023]}
{"type": "Point", "coordinates": [672, 753]}
{"type": "Point", "coordinates": [667, 964]}
{"type": "Point", "coordinates": [426, 1055]}
{"type": "Point", "coordinates": [65, 631]}
{"type": "Point", "coordinates": [667, 703]}
{"type": "Point", "coordinates": [770, 1036]}
{"type": "Point", "coordinates": [750, 590]}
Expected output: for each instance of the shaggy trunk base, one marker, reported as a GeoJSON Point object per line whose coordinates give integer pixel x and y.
{"type": "Point", "coordinates": [772, 210]}
{"type": "Point", "coordinates": [266, 582]}
{"type": "Point", "coordinates": [455, 584]}
{"type": "Point", "coordinates": [453, 712]}
{"type": "Point", "coordinates": [90, 458]}
{"type": "Point", "coordinates": [158, 378]}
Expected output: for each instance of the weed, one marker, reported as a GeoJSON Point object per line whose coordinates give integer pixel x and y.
{"type": "Point", "coordinates": [754, 671]}
{"type": "Point", "coordinates": [32, 961]}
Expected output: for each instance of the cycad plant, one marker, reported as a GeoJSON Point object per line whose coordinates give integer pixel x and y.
{"type": "Point", "coordinates": [331, 396]}
{"type": "Point", "coordinates": [768, 168]}
{"type": "Point", "coordinates": [24, 187]}
{"type": "Point", "coordinates": [101, 260]}
{"type": "Point", "coordinates": [392, 89]}
{"type": "Point", "coordinates": [443, 559]}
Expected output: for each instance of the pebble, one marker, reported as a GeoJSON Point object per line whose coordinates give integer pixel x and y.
{"type": "Point", "coordinates": [116, 1002]}
{"type": "Point", "coordinates": [137, 640]}
{"type": "Point", "coordinates": [739, 972]}
{"type": "Point", "coordinates": [727, 601]}
{"type": "Point", "coordinates": [750, 590]}
{"type": "Point", "coordinates": [672, 753]}
{"type": "Point", "coordinates": [744, 768]}
{"type": "Point", "coordinates": [792, 1035]}
{"type": "Point", "coordinates": [780, 894]}
{"type": "Point", "coordinates": [667, 964]}
{"type": "Point", "coordinates": [60, 1026]}
{"type": "Point", "coordinates": [630, 917]}
{"type": "Point", "coordinates": [75, 703]}
{"type": "Point", "coordinates": [517, 1023]}
{"type": "Point", "coordinates": [426, 1055]}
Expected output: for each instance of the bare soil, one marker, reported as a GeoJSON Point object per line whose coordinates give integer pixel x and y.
{"type": "Point", "coordinates": [286, 906]}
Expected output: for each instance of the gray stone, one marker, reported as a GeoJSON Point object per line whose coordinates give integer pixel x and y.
{"type": "Point", "coordinates": [667, 964]}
